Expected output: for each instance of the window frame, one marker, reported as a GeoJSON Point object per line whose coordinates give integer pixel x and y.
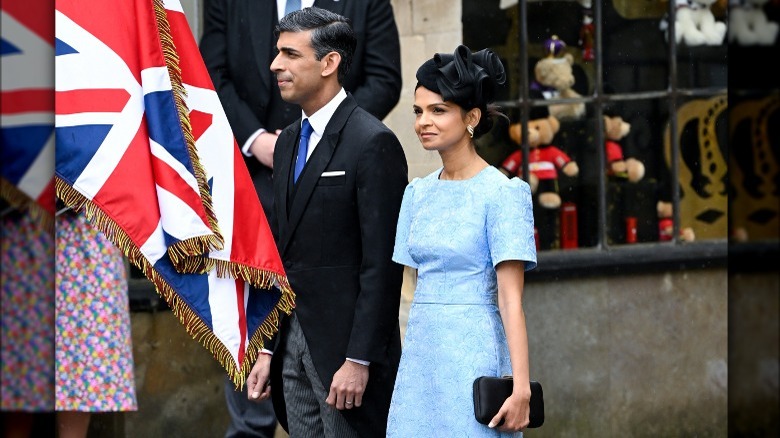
{"type": "Point", "coordinates": [605, 258]}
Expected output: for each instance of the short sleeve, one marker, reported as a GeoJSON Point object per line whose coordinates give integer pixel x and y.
{"type": "Point", "coordinates": [401, 251]}
{"type": "Point", "coordinates": [510, 224]}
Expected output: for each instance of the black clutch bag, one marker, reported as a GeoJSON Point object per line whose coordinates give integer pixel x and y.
{"type": "Point", "coordinates": [491, 392]}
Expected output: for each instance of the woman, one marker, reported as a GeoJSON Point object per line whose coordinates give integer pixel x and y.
{"type": "Point", "coordinates": [468, 230]}
{"type": "Point", "coordinates": [93, 343]}
{"type": "Point", "coordinates": [26, 322]}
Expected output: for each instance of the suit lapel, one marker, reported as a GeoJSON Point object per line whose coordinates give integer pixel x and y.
{"type": "Point", "coordinates": [316, 164]}
{"type": "Point", "coordinates": [261, 15]}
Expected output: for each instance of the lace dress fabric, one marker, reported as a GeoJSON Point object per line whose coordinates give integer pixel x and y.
{"type": "Point", "coordinates": [455, 233]}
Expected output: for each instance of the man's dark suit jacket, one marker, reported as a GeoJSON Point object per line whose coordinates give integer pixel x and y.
{"type": "Point", "coordinates": [336, 236]}
{"type": "Point", "coordinates": [238, 45]}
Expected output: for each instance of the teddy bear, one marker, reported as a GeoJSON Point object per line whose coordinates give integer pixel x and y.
{"type": "Point", "coordinates": [631, 169]}
{"type": "Point", "coordinates": [554, 78]}
{"type": "Point", "coordinates": [749, 23]}
{"type": "Point", "coordinates": [695, 24]}
{"type": "Point", "coordinates": [664, 210]}
{"type": "Point", "coordinates": [544, 158]}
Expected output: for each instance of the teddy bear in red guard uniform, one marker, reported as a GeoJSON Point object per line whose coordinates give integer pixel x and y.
{"type": "Point", "coordinates": [545, 159]}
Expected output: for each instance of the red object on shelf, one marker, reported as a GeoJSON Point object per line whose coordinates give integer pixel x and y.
{"type": "Point", "coordinates": [630, 229]}
{"type": "Point", "coordinates": [569, 225]}
{"type": "Point", "coordinates": [665, 227]}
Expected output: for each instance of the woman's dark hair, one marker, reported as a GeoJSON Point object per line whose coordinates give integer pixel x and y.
{"type": "Point", "coordinates": [331, 32]}
{"type": "Point", "coordinates": [468, 79]}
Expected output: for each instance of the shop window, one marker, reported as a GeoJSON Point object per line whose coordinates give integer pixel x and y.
{"type": "Point", "coordinates": [676, 196]}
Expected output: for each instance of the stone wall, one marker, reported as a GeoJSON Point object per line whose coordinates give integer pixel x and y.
{"type": "Point", "coordinates": [640, 355]}
{"type": "Point", "coordinates": [426, 27]}
{"type": "Point", "coordinates": [178, 383]}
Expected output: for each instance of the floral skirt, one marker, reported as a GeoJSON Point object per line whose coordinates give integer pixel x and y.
{"type": "Point", "coordinates": [27, 314]}
{"type": "Point", "coordinates": [94, 354]}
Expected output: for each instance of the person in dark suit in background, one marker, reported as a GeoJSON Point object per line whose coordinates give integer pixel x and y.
{"type": "Point", "coordinates": [238, 46]}
{"type": "Point", "coordinates": [337, 203]}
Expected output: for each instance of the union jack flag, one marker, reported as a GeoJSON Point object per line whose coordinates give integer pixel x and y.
{"type": "Point", "coordinates": [27, 107]}
{"type": "Point", "coordinates": [145, 149]}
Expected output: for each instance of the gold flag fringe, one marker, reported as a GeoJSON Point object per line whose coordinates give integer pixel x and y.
{"type": "Point", "coordinates": [21, 201]}
{"type": "Point", "coordinates": [194, 326]}
{"type": "Point", "coordinates": [266, 331]}
{"type": "Point", "coordinates": [256, 277]}
{"type": "Point", "coordinates": [190, 256]}
{"type": "Point", "coordinates": [174, 71]}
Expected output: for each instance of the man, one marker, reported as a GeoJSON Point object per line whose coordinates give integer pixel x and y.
{"type": "Point", "coordinates": [237, 47]}
{"type": "Point", "coordinates": [333, 370]}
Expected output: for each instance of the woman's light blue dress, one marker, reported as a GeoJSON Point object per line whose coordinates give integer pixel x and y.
{"type": "Point", "coordinates": [455, 233]}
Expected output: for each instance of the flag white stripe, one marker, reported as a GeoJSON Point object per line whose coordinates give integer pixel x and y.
{"type": "Point", "coordinates": [31, 118]}
{"type": "Point", "coordinates": [155, 79]}
{"type": "Point", "coordinates": [215, 148]}
{"type": "Point", "coordinates": [80, 119]}
{"type": "Point", "coordinates": [178, 219]}
{"type": "Point", "coordinates": [224, 312]}
{"type": "Point", "coordinates": [173, 5]}
{"type": "Point", "coordinates": [160, 152]}
{"type": "Point", "coordinates": [39, 175]}
{"type": "Point", "coordinates": [154, 248]}
{"type": "Point", "coordinates": [31, 70]}
{"type": "Point", "coordinates": [111, 151]}
{"type": "Point", "coordinates": [95, 66]}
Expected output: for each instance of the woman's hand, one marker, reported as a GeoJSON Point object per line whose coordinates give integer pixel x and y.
{"type": "Point", "coordinates": [515, 413]}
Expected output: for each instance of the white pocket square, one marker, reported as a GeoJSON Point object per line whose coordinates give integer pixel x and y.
{"type": "Point", "coordinates": [333, 173]}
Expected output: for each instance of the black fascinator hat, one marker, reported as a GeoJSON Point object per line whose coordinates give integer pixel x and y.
{"type": "Point", "coordinates": [466, 78]}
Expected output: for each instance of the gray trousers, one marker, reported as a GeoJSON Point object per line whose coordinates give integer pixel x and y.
{"type": "Point", "coordinates": [307, 413]}
{"type": "Point", "coordinates": [248, 419]}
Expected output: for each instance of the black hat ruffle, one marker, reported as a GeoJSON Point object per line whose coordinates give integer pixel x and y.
{"type": "Point", "coordinates": [466, 78]}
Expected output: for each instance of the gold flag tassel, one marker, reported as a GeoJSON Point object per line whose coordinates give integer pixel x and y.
{"type": "Point", "coordinates": [19, 200]}
{"type": "Point", "coordinates": [181, 252]}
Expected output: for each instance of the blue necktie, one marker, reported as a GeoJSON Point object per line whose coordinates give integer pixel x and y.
{"type": "Point", "coordinates": [303, 147]}
{"type": "Point", "coordinates": [292, 5]}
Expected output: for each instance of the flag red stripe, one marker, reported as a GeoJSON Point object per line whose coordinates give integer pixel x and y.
{"type": "Point", "coordinates": [46, 197]}
{"type": "Point", "coordinates": [253, 243]}
{"type": "Point", "coordinates": [129, 195]}
{"type": "Point", "coordinates": [96, 101]}
{"type": "Point", "coordinates": [188, 52]}
{"type": "Point", "coordinates": [167, 178]}
{"type": "Point", "coordinates": [36, 17]}
{"type": "Point", "coordinates": [241, 319]}
{"type": "Point", "coordinates": [25, 101]}
{"type": "Point", "coordinates": [200, 122]}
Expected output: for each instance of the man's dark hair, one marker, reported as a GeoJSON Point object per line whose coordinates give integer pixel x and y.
{"type": "Point", "coordinates": [331, 32]}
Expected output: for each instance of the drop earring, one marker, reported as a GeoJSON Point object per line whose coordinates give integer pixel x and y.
{"type": "Point", "coordinates": [470, 129]}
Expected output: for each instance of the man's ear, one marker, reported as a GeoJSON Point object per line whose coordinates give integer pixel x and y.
{"type": "Point", "coordinates": [330, 63]}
